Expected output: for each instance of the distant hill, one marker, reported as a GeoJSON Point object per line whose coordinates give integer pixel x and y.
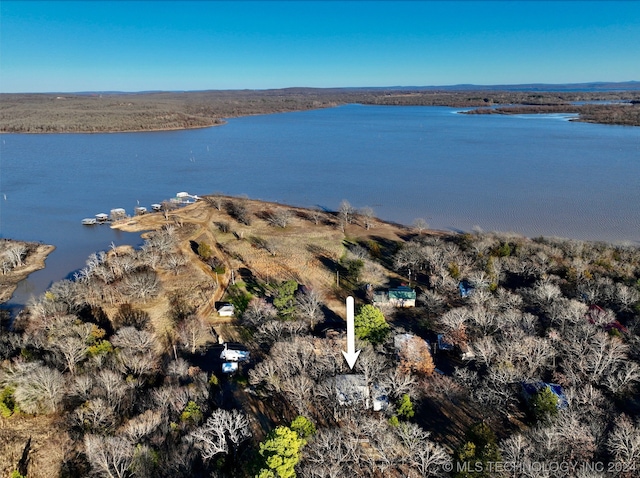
{"type": "Point", "coordinates": [598, 86]}
{"type": "Point", "coordinates": [570, 87]}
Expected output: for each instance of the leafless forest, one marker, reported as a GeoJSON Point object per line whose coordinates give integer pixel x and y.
{"type": "Point", "coordinates": [110, 112]}
{"type": "Point", "coordinates": [120, 366]}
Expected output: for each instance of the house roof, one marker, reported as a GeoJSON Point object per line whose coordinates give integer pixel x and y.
{"type": "Point", "coordinates": [402, 292]}
{"type": "Point", "coordinates": [351, 389]}
{"type": "Point", "coordinates": [465, 288]}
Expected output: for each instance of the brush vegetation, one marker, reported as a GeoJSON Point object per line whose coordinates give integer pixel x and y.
{"type": "Point", "coordinates": [115, 373]}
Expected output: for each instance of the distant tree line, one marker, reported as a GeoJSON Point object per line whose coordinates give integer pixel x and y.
{"type": "Point", "coordinates": [47, 113]}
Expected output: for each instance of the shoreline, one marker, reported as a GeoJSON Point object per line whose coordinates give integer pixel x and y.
{"type": "Point", "coordinates": [154, 130]}
{"type": "Point", "coordinates": [34, 261]}
{"type": "Point", "coordinates": [148, 112]}
{"type": "Point", "coordinates": [506, 110]}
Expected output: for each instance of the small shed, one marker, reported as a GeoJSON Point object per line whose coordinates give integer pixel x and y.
{"type": "Point", "coordinates": [402, 296]}
{"type": "Point", "coordinates": [156, 207]}
{"type": "Point", "coordinates": [226, 310]}
{"type": "Point", "coordinates": [102, 217]}
{"type": "Point", "coordinates": [140, 210]}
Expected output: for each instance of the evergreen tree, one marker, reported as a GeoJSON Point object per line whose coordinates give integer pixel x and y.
{"type": "Point", "coordinates": [371, 325]}
{"type": "Point", "coordinates": [280, 452]}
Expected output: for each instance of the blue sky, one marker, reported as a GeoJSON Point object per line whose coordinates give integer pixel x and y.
{"type": "Point", "coordinates": [66, 46]}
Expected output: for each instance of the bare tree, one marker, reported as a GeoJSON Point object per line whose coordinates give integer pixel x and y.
{"type": "Point", "coordinates": [15, 255]}
{"type": "Point", "coordinates": [109, 456]}
{"type": "Point", "coordinates": [309, 306]}
{"type": "Point", "coordinates": [626, 297]}
{"type": "Point", "coordinates": [317, 214]}
{"type": "Point", "coordinates": [277, 330]}
{"type": "Point", "coordinates": [346, 212]}
{"type": "Point", "coordinates": [398, 383]}
{"type": "Point", "coordinates": [194, 332]}
{"type": "Point", "coordinates": [134, 339]}
{"type": "Point", "coordinates": [112, 386]}
{"type": "Point", "coordinates": [410, 257]}
{"type": "Point", "coordinates": [280, 217]}
{"type": "Point", "coordinates": [420, 225]}
{"type": "Point", "coordinates": [136, 363]}
{"type": "Point", "coordinates": [237, 209]}
{"type": "Point", "coordinates": [82, 386]}
{"type": "Point", "coordinates": [96, 416]}
{"type": "Point", "coordinates": [624, 443]}
{"type": "Point", "coordinates": [370, 363]}
{"type": "Point", "coordinates": [427, 457]}
{"type": "Point", "coordinates": [174, 262]}
{"type": "Point", "coordinates": [368, 217]}
{"type": "Point", "coordinates": [258, 311]}
{"type": "Point", "coordinates": [216, 200]}
{"type": "Point", "coordinates": [299, 388]}
{"type": "Point", "coordinates": [178, 368]}
{"type": "Point", "coordinates": [141, 285]}
{"type": "Point", "coordinates": [38, 388]}
{"type": "Point", "coordinates": [222, 430]}
{"type": "Point", "coordinates": [68, 340]}
{"type": "Point", "coordinates": [329, 455]}
{"type": "Point", "coordinates": [265, 374]}
{"type": "Point", "coordinates": [143, 425]}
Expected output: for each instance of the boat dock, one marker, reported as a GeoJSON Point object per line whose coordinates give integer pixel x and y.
{"type": "Point", "coordinates": [181, 199]}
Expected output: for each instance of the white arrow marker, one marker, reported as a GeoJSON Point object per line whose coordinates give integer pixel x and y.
{"type": "Point", "coordinates": [351, 355]}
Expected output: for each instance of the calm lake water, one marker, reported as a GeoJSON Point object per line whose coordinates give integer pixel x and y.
{"type": "Point", "coordinates": [531, 174]}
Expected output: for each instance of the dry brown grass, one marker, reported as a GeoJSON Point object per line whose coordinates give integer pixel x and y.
{"type": "Point", "coordinates": [302, 251]}
{"type": "Point", "coordinates": [49, 444]}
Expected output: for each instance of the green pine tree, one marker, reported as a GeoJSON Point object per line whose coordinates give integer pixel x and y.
{"type": "Point", "coordinates": [280, 452]}
{"type": "Point", "coordinates": [371, 325]}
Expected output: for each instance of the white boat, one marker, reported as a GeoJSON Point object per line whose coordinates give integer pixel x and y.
{"type": "Point", "coordinates": [102, 217]}
{"type": "Point", "coordinates": [156, 207]}
{"type": "Point", "coordinates": [140, 210]}
{"type": "Point", "coordinates": [89, 221]}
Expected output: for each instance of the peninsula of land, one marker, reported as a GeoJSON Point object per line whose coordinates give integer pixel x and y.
{"type": "Point", "coordinates": [157, 111]}
{"type": "Point", "coordinates": [221, 339]}
{"type": "Point", "coordinates": [18, 259]}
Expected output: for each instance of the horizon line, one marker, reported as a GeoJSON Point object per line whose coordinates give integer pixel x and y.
{"type": "Point", "coordinates": [459, 86]}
